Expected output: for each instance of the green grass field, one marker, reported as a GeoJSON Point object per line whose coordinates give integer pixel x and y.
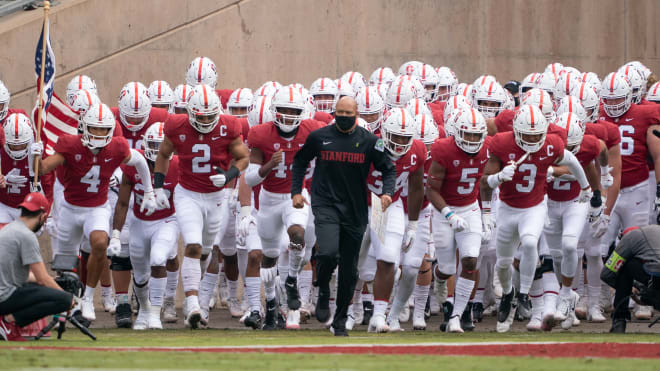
{"type": "Point", "coordinates": [84, 359]}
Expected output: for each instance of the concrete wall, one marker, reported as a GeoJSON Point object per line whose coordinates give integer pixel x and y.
{"type": "Point", "coordinates": [252, 41]}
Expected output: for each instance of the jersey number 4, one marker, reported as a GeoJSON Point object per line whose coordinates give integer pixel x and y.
{"type": "Point", "coordinates": [92, 178]}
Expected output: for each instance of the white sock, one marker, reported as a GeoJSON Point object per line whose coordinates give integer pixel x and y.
{"type": "Point", "coordinates": [380, 306]}
{"type": "Point", "coordinates": [550, 292]}
{"type": "Point", "coordinates": [142, 295]}
{"type": "Point", "coordinates": [367, 297]}
{"type": "Point", "coordinates": [305, 285]}
{"type": "Point", "coordinates": [122, 299]}
{"type": "Point", "coordinates": [404, 290]}
{"type": "Point", "coordinates": [295, 262]}
{"type": "Point", "coordinates": [206, 288]}
{"type": "Point", "coordinates": [268, 279]}
{"type": "Point", "coordinates": [536, 297]}
{"type": "Point", "coordinates": [253, 288]}
{"type": "Point", "coordinates": [172, 283]}
{"type": "Point", "coordinates": [157, 290]}
{"type": "Point", "coordinates": [565, 291]}
{"type": "Point", "coordinates": [233, 289]}
{"type": "Point", "coordinates": [89, 292]}
{"type": "Point", "coordinates": [420, 294]}
{"type": "Point", "coordinates": [594, 266]}
{"type": "Point", "coordinates": [191, 272]}
{"type": "Point", "coordinates": [106, 290]}
{"type": "Point", "coordinates": [479, 295]}
{"type": "Point", "coordinates": [462, 293]}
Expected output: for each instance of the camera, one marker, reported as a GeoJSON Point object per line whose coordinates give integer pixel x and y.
{"type": "Point", "coordinates": [65, 267]}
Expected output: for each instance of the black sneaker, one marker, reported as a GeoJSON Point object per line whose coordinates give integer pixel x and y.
{"type": "Point", "coordinates": [323, 306]}
{"type": "Point", "coordinates": [618, 326]}
{"type": "Point", "coordinates": [466, 318]}
{"type": "Point", "coordinates": [505, 306]}
{"type": "Point", "coordinates": [253, 320]}
{"type": "Point", "coordinates": [447, 308]}
{"type": "Point", "coordinates": [281, 321]}
{"type": "Point", "coordinates": [292, 296]}
{"type": "Point", "coordinates": [427, 308]}
{"type": "Point", "coordinates": [478, 312]}
{"type": "Point", "coordinates": [124, 316]}
{"type": "Point", "coordinates": [524, 309]}
{"type": "Point", "coordinates": [338, 331]}
{"type": "Point", "coordinates": [272, 310]}
{"type": "Point", "coordinates": [368, 309]}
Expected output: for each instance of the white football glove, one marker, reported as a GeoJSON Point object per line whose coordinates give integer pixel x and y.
{"type": "Point", "coordinates": [488, 225]}
{"type": "Point", "coordinates": [114, 247]}
{"type": "Point", "coordinates": [456, 222]}
{"type": "Point", "coordinates": [245, 221]}
{"type": "Point", "coordinates": [148, 203]}
{"type": "Point", "coordinates": [218, 180]}
{"type": "Point", "coordinates": [549, 176]}
{"type": "Point", "coordinates": [36, 149]}
{"type": "Point", "coordinates": [51, 227]}
{"type": "Point", "coordinates": [585, 195]}
{"type": "Point", "coordinates": [162, 201]}
{"type": "Point", "coordinates": [409, 236]}
{"type": "Point", "coordinates": [595, 213]}
{"type": "Point", "coordinates": [600, 227]}
{"type": "Point", "coordinates": [606, 178]}
{"type": "Point", "coordinates": [14, 177]}
{"type": "Point", "coordinates": [115, 179]}
{"type": "Point", "coordinates": [506, 175]}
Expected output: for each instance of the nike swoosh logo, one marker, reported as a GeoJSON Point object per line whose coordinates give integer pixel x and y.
{"type": "Point", "coordinates": [5, 329]}
{"type": "Point", "coordinates": [215, 138]}
{"type": "Point", "coordinates": [166, 184]}
{"type": "Point", "coordinates": [542, 158]}
{"type": "Point", "coordinates": [407, 167]}
{"type": "Point", "coordinates": [326, 143]}
{"type": "Point", "coordinates": [484, 161]}
{"type": "Point", "coordinates": [630, 119]}
{"type": "Point", "coordinates": [108, 160]}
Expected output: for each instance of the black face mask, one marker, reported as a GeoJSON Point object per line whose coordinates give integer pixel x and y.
{"type": "Point", "coordinates": [345, 123]}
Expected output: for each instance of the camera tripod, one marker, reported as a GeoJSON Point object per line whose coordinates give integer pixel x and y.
{"type": "Point", "coordinates": [61, 319]}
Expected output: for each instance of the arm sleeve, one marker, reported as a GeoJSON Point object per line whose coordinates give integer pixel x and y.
{"type": "Point", "coordinates": [383, 164]}
{"type": "Point", "coordinates": [252, 177]}
{"type": "Point", "coordinates": [575, 168]}
{"type": "Point", "coordinates": [300, 162]}
{"type": "Point", "coordinates": [140, 163]}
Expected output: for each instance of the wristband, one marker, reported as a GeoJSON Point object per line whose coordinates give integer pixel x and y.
{"type": "Point", "coordinates": [159, 180]}
{"type": "Point", "coordinates": [412, 225]}
{"type": "Point", "coordinates": [604, 169]}
{"type": "Point", "coordinates": [596, 200]}
{"type": "Point", "coordinates": [245, 211]}
{"type": "Point", "coordinates": [446, 212]}
{"type": "Point", "coordinates": [116, 233]}
{"type": "Point", "coordinates": [494, 180]}
{"type": "Point", "coordinates": [230, 174]}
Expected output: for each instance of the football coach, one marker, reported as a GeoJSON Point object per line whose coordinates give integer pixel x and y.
{"type": "Point", "coordinates": [344, 154]}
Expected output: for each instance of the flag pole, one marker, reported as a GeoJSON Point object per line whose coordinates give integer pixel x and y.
{"type": "Point", "coordinates": [41, 86]}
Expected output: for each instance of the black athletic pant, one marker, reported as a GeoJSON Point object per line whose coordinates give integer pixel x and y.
{"type": "Point", "coordinates": [631, 270]}
{"type": "Point", "coordinates": [33, 302]}
{"type": "Point", "coordinates": [338, 244]}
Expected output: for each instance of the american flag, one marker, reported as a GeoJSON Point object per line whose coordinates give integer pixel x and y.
{"type": "Point", "coordinates": [58, 118]}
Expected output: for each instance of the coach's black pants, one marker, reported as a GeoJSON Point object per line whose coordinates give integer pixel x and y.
{"type": "Point", "coordinates": [33, 302]}
{"type": "Point", "coordinates": [632, 270]}
{"type": "Point", "coordinates": [338, 243]}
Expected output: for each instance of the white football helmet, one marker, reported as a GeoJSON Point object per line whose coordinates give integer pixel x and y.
{"type": "Point", "coordinates": [98, 116]}
{"type": "Point", "coordinates": [574, 128]}
{"type": "Point", "coordinates": [18, 135]}
{"type": "Point", "coordinates": [530, 121]}
{"type": "Point", "coordinates": [131, 86]}
{"type": "Point", "coordinates": [398, 131]}
{"type": "Point", "coordinates": [653, 95]}
{"type": "Point", "coordinates": [382, 90]}
{"type": "Point", "coordinates": [153, 137]}
{"type": "Point", "coordinates": [382, 75]}
{"type": "Point", "coordinates": [483, 80]}
{"type": "Point", "coordinates": [540, 99]}
{"type": "Point", "coordinates": [572, 104]}
{"type": "Point", "coordinates": [588, 96]}
{"type": "Point", "coordinates": [554, 68]}
{"type": "Point", "coordinates": [287, 108]}
{"type": "Point", "coordinates": [408, 68]}
{"type": "Point", "coordinates": [399, 93]}
{"type": "Point", "coordinates": [447, 85]}
{"type": "Point", "coordinates": [529, 82]}
{"type": "Point", "coordinates": [5, 98]}
{"type": "Point", "coordinates": [571, 70]}
{"type": "Point", "coordinates": [418, 106]}
{"type": "Point", "coordinates": [181, 93]}
{"type": "Point", "coordinates": [260, 112]}
{"type": "Point", "coordinates": [161, 94]}
{"type": "Point", "coordinates": [426, 129]}
{"type": "Point", "coordinates": [202, 71]}
{"type": "Point", "coordinates": [470, 129]}
{"type": "Point", "coordinates": [82, 100]}
{"type": "Point", "coordinates": [268, 88]}
{"type": "Point", "coordinates": [240, 102]}
{"type": "Point", "coordinates": [78, 83]}
{"type": "Point", "coordinates": [489, 99]}
{"type": "Point", "coordinates": [547, 81]}
{"type": "Point", "coordinates": [510, 102]}
{"type": "Point", "coordinates": [615, 87]}
{"type": "Point", "coordinates": [430, 80]}
{"type": "Point", "coordinates": [371, 107]}
{"type": "Point", "coordinates": [636, 79]}
{"type": "Point", "coordinates": [203, 108]}
{"type": "Point", "coordinates": [465, 90]}
{"type": "Point", "coordinates": [416, 83]}
{"type": "Point", "coordinates": [565, 83]}
{"type": "Point", "coordinates": [356, 80]}
{"type": "Point", "coordinates": [324, 91]}
{"type": "Point", "coordinates": [454, 103]}
{"type": "Point", "coordinates": [591, 78]}
{"type": "Point", "coordinates": [134, 107]}
{"type": "Point", "coordinates": [344, 89]}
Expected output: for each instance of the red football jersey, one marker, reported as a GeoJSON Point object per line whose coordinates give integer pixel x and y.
{"type": "Point", "coordinates": [199, 154]}
{"type": "Point", "coordinates": [528, 185]}
{"type": "Point", "coordinates": [224, 95]}
{"type": "Point", "coordinates": [597, 130]}
{"type": "Point", "coordinates": [245, 128]}
{"type": "Point", "coordinates": [267, 139]}
{"type": "Point", "coordinates": [171, 180]}
{"type": "Point", "coordinates": [462, 171]}
{"type": "Point", "coordinates": [323, 117]}
{"type": "Point", "coordinates": [86, 176]}
{"type": "Point", "coordinates": [405, 165]}
{"type": "Point", "coordinates": [13, 195]}
{"type": "Point", "coordinates": [561, 190]}
{"type": "Point", "coordinates": [633, 126]}
{"type": "Point", "coordinates": [613, 134]}
{"type": "Point", "coordinates": [134, 138]}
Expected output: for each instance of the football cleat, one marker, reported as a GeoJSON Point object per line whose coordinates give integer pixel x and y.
{"type": "Point", "coordinates": [204, 319]}
{"type": "Point", "coordinates": [109, 304]}
{"type": "Point", "coordinates": [123, 316]}
{"type": "Point", "coordinates": [235, 308]}
{"type": "Point", "coordinates": [292, 295]}
{"type": "Point", "coordinates": [142, 321]}
{"type": "Point", "coordinates": [404, 315]}
{"type": "Point", "coordinates": [419, 322]}
{"type": "Point", "coordinates": [595, 314]}
{"type": "Point", "coordinates": [535, 323]}
{"type": "Point", "coordinates": [350, 322]}
{"type": "Point", "coordinates": [272, 311]}
{"type": "Point", "coordinates": [192, 314]}
{"type": "Point", "coordinates": [154, 320]}
{"type": "Point", "coordinates": [368, 311]}
{"type": "Point", "coordinates": [338, 331]}
{"type": "Point", "coordinates": [506, 311]}
{"type": "Point", "coordinates": [454, 325]}
{"type": "Point", "coordinates": [169, 311]}
{"type": "Point", "coordinates": [581, 308]}
{"type": "Point", "coordinates": [377, 324]}
{"type": "Point", "coordinates": [323, 306]}
{"type": "Point", "coordinates": [87, 307]}
{"type": "Point", "coordinates": [394, 325]}
{"type": "Point", "coordinates": [642, 312]}
{"type": "Point", "coordinates": [524, 310]}
{"type": "Point", "coordinates": [549, 320]}
{"type": "Point", "coordinates": [253, 320]}
{"type": "Point", "coordinates": [293, 320]}
{"type": "Point", "coordinates": [478, 311]}
{"type": "Point", "coordinates": [447, 309]}
{"type": "Point", "coordinates": [466, 318]}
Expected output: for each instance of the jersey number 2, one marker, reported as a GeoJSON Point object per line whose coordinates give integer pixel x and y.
{"type": "Point", "coordinates": [200, 164]}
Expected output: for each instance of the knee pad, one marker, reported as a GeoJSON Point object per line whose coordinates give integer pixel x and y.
{"type": "Point", "coordinates": [120, 264]}
{"type": "Point", "coordinates": [569, 244]}
{"type": "Point", "coordinates": [228, 250]}
{"type": "Point", "coordinates": [545, 266]}
{"type": "Point", "coordinates": [409, 271]}
{"type": "Point", "coordinates": [528, 242]}
{"type": "Point", "coordinates": [368, 269]}
{"type": "Point", "coordinates": [158, 258]}
{"type": "Point", "coordinates": [503, 262]}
